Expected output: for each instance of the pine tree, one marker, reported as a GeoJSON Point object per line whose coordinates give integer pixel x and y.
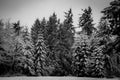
{"type": "Point", "coordinates": [40, 55]}
{"type": "Point", "coordinates": [85, 21]}
{"type": "Point", "coordinates": [98, 68]}
{"type": "Point", "coordinates": [68, 26]}
{"type": "Point", "coordinates": [17, 27]}
{"type": "Point", "coordinates": [34, 31]}
{"type": "Point", "coordinates": [81, 57]}
{"type": "Point", "coordinates": [44, 27]}
{"type": "Point", "coordinates": [40, 39]}
{"type": "Point", "coordinates": [51, 31]}
{"type": "Point", "coordinates": [17, 30]}
{"type": "Point", "coordinates": [79, 61]}
{"type": "Point", "coordinates": [20, 49]}
{"type": "Point", "coordinates": [111, 14]}
{"type": "Point", "coordinates": [27, 56]}
{"type": "Point", "coordinates": [2, 50]}
{"type": "Point", "coordinates": [12, 46]}
{"type": "Point", "coordinates": [65, 39]}
{"type": "Point", "coordinates": [88, 57]}
{"type": "Point", "coordinates": [103, 27]}
{"type": "Point", "coordinates": [1, 35]}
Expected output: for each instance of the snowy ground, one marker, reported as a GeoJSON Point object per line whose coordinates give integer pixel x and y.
{"type": "Point", "coordinates": [53, 78]}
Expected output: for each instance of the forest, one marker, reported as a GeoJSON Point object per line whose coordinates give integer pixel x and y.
{"type": "Point", "coordinates": [54, 48]}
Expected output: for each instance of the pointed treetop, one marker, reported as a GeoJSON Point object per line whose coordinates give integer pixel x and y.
{"type": "Point", "coordinates": [37, 21]}
{"type": "Point", "coordinates": [16, 24]}
{"type": "Point", "coordinates": [53, 18]}
{"type": "Point", "coordinates": [68, 16]}
{"type": "Point", "coordinates": [70, 11]}
{"type": "Point", "coordinates": [54, 14]}
{"type": "Point", "coordinates": [43, 21]}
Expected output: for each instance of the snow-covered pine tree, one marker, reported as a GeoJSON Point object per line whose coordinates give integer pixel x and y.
{"type": "Point", "coordinates": [88, 57]}
{"type": "Point", "coordinates": [98, 65]}
{"type": "Point", "coordinates": [40, 56]}
{"type": "Point", "coordinates": [78, 62]}
{"type": "Point", "coordinates": [26, 58]}
{"type": "Point", "coordinates": [81, 57]}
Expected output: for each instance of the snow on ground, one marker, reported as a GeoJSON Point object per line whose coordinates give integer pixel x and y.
{"type": "Point", "coordinates": [53, 78]}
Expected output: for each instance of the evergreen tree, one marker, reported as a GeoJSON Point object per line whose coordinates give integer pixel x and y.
{"type": "Point", "coordinates": [20, 49]}
{"type": "Point", "coordinates": [17, 27]}
{"type": "Point", "coordinates": [17, 30]}
{"type": "Point", "coordinates": [34, 31]}
{"type": "Point", "coordinates": [39, 35]}
{"type": "Point", "coordinates": [98, 68]}
{"type": "Point", "coordinates": [103, 28]}
{"type": "Point", "coordinates": [88, 57]}
{"type": "Point", "coordinates": [27, 56]}
{"type": "Point", "coordinates": [51, 31]}
{"type": "Point", "coordinates": [103, 32]}
{"type": "Point", "coordinates": [40, 55]}
{"type": "Point", "coordinates": [12, 46]}
{"type": "Point", "coordinates": [44, 28]}
{"type": "Point", "coordinates": [85, 21]}
{"type": "Point", "coordinates": [65, 39]}
{"type": "Point", "coordinates": [111, 14]}
{"type": "Point", "coordinates": [1, 35]}
{"type": "Point", "coordinates": [68, 28]}
{"type": "Point", "coordinates": [81, 57]}
{"type": "Point", "coordinates": [2, 50]}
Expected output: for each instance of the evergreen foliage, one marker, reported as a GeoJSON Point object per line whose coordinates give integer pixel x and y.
{"type": "Point", "coordinates": [40, 56]}
{"type": "Point", "coordinates": [52, 48]}
{"type": "Point", "coordinates": [85, 21]}
{"type": "Point", "coordinates": [88, 57]}
{"type": "Point", "coordinates": [34, 31]}
{"type": "Point", "coordinates": [65, 39]}
{"type": "Point", "coordinates": [51, 32]}
{"type": "Point", "coordinates": [111, 14]}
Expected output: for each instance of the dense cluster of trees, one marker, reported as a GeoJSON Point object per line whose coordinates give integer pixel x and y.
{"type": "Point", "coordinates": [52, 49]}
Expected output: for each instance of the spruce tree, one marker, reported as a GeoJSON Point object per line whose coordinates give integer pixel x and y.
{"type": "Point", "coordinates": [34, 31]}
{"type": "Point", "coordinates": [1, 36]}
{"type": "Point", "coordinates": [44, 27]}
{"type": "Point", "coordinates": [40, 55]}
{"type": "Point", "coordinates": [17, 27]}
{"type": "Point", "coordinates": [85, 21]}
{"type": "Point", "coordinates": [103, 28]}
{"type": "Point", "coordinates": [98, 68]}
{"type": "Point", "coordinates": [2, 50]}
{"type": "Point", "coordinates": [111, 14]}
{"type": "Point", "coordinates": [65, 39]}
{"type": "Point", "coordinates": [12, 46]}
{"type": "Point", "coordinates": [51, 31]}
{"type": "Point", "coordinates": [81, 57]}
{"type": "Point", "coordinates": [27, 56]}
{"type": "Point", "coordinates": [88, 57]}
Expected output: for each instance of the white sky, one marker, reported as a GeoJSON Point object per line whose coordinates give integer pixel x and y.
{"type": "Point", "coordinates": [28, 10]}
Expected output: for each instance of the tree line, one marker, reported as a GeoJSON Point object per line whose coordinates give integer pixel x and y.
{"type": "Point", "coordinates": [51, 48]}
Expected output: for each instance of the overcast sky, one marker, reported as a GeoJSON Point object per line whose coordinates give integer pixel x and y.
{"type": "Point", "coordinates": [28, 10]}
